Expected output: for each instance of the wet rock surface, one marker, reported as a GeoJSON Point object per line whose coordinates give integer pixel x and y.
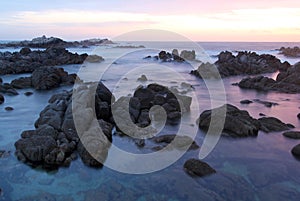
{"type": "Point", "coordinates": [196, 167]}
{"type": "Point", "coordinates": [26, 61]}
{"type": "Point", "coordinates": [290, 51]}
{"type": "Point", "coordinates": [286, 82]}
{"type": "Point", "coordinates": [55, 139]}
{"type": "Point", "coordinates": [292, 134]}
{"type": "Point", "coordinates": [238, 123]}
{"type": "Point", "coordinates": [244, 63]}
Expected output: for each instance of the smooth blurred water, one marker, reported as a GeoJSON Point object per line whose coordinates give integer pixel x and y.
{"type": "Point", "coordinates": [260, 168]}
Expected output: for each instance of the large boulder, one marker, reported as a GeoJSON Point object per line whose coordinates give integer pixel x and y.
{"type": "Point", "coordinates": [50, 77]}
{"type": "Point", "coordinates": [26, 61]}
{"type": "Point", "coordinates": [22, 83]}
{"type": "Point", "coordinates": [238, 123]}
{"type": "Point", "coordinates": [56, 139]}
{"type": "Point", "coordinates": [292, 134]}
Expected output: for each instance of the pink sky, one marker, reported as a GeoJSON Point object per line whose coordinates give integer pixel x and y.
{"type": "Point", "coordinates": [214, 20]}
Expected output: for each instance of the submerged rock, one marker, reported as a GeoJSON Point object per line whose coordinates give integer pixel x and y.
{"type": "Point", "coordinates": [292, 134]}
{"type": "Point", "coordinates": [176, 141]}
{"type": "Point", "coordinates": [8, 108]}
{"type": "Point", "coordinates": [196, 167]}
{"type": "Point", "coordinates": [246, 101]}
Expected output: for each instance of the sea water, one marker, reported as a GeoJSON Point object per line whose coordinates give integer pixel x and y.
{"type": "Point", "coordinates": [259, 168]}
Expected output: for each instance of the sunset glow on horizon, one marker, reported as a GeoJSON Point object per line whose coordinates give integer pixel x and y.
{"type": "Point", "coordinates": [218, 20]}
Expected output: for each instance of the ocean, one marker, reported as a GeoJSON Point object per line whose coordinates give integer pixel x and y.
{"type": "Point", "coordinates": [259, 168]}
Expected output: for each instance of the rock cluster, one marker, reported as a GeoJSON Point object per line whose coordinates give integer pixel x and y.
{"type": "Point", "coordinates": [44, 78]}
{"type": "Point", "coordinates": [244, 63]}
{"type": "Point", "coordinates": [175, 56]}
{"type": "Point", "coordinates": [26, 61]}
{"type": "Point", "coordinates": [286, 82]}
{"type": "Point", "coordinates": [44, 42]}
{"type": "Point", "coordinates": [238, 123]}
{"type": "Point", "coordinates": [54, 141]}
{"type": "Point", "coordinates": [290, 51]}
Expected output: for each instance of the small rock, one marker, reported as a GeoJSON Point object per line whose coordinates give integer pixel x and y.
{"type": "Point", "coordinates": [139, 142]}
{"type": "Point", "coordinates": [262, 114]}
{"type": "Point", "coordinates": [1, 81]}
{"type": "Point", "coordinates": [1, 99]}
{"type": "Point", "coordinates": [298, 116]}
{"type": "Point", "coordinates": [28, 93]}
{"type": "Point", "coordinates": [9, 108]}
{"type": "Point", "coordinates": [143, 78]}
{"type": "Point", "coordinates": [296, 150]}
{"type": "Point", "coordinates": [196, 167]}
{"type": "Point", "coordinates": [246, 101]}
{"type": "Point", "coordinates": [292, 134]}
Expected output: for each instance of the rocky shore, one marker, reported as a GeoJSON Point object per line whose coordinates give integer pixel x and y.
{"type": "Point", "coordinates": [238, 123]}
{"type": "Point", "coordinates": [290, 51]}
{"type": "Point", "coordinates": [44, 42]}
{"type": "Point", "coordinates": [286, 82]}
{"type": "Point", "coordinates": [244, 63]}
{"type": "Point", "coordinates": [26, 61]}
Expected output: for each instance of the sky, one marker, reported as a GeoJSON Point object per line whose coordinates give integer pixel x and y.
{"type": "Point", "coordinates": [198, 20]}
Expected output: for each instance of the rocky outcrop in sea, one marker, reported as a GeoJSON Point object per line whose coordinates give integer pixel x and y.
{"type": "Point", "coordinates": [26, 61]}
{"type": "Point", "coordinates": [290, 51]}
{"type": "Point", "coordinates": [244, 63]}
{"type": "Point", "coordinates": [286, 82]}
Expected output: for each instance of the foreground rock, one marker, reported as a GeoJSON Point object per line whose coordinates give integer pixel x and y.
{"type": "Point", "coordinates": [44, 42]}
{"type": "Point", "coordinates": [45, 78]}
{"type": "Point", "coordinates": [238, 123]}
{"type": "Point", "coordinates": [26, 61]}
{"type": "Point", "coordinates": [175, 56]}
{"type": "Point", "coordinates": [8, 89]}
{"type": "Point", "coordinates": [292, 134]}
{"type": "Point", "coordinates": [296, 150]}
{"type": "Point", "coordinates": [290, 52]}
{"type": "Point", "coordinates": [55, 140]}
{"type": "Point", "coordinates": [130, 113]}
{"type": "Point", "coordinates": [176, 141]}
{"type": "Point", "coordinates": [195, 167]}
{"type": "Point", "coordinates": [245, 63]}
{"type": "Point", "coordinates": [286, 82]}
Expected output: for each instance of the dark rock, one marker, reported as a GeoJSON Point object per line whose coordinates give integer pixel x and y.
{"type": "Point", "coordinates": [262, 114]}
{"type": "Point", "coordinates": [25, 51]}
{"type": "Point", "coordinates": [176, 141]}
{"type": "Point", "coordinates": [27, 62]}
{"type": "Point", "coordinates": [50, 77]}
{"type": "Point", "coordinates": [2, 99]}
{"type": "Point", "coordinates": [8, 89]}
{"type": "Point", "coordinates": [290, 52]}
{"type": "Point", "coordinates": [94, 59]}
{"type": "Point", "coordinates": [9, 108]}
{"type": "Point", "coordinates": [1, 81]}
{"type": "Point", "coordinates": [188, 55]}
{"type": "Point", "coordinates": [296, 150]}
{"type": "Point", "coordinates": [245, 63]}
{"type": "Point", "coordinates": [272, 124]}
{"type": "Point", "coordinates": [266, 103]}
{"type": "Point", "coordinates": [298, 116]}
{"type": "Point", "coordinates": [4, 154]}
{"type": "Point", "coordinates": [22, 83]}
{"type": "Point", "coordinates": [238, 123]}
{"type": "Point", "coordinates": [143, 78]}
{"type": "Point", "coordinates": [292, 134]}
{"type": "Point", "coordinates": [55, 140]}
{"type": "Point", "coordinates": [286, 82]}
{"type": "Point", "coordinates": [246, 101]}
{"type": "Point", "coordinates": [139, 142]}
{"type": "Point", "coordinates": [28, 93]}
{"type": "Point", "coordinates": [196, 167]}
